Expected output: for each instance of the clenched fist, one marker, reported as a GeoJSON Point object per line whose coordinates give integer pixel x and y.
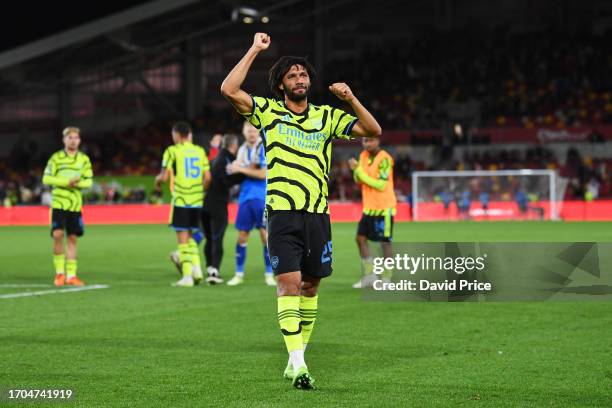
{"type": "Point", "coordinates": [342, 91]}
{"type": "Point", "coordinates": [261, 41]}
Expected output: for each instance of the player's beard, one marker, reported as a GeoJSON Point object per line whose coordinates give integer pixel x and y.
{"type": "Point", "coordinates": [293, 97]}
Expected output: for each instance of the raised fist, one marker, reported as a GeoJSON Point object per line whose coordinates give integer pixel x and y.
{"type": "Point", "coordinates": [261, 41]}
{"type": "Point", "coordinates": [342, 91]}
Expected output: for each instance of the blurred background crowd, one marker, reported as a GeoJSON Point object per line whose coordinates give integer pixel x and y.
{"type": "Point", "coordinates": [533, 93]}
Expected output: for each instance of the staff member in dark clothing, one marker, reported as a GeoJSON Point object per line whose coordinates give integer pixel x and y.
{"type": "Point", "coordinates": [214, 212]}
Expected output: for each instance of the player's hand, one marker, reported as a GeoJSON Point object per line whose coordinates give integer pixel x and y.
{"type": "Point", "coordinates": [157, 183]}
{"type": "Point", "coordinates": [353, 163]}
{"type": "Point", "coordinates": [234, 167]}
{"type": "Point", "coordinates": [342, 91]}
{"type": "Point", "coordinates": [261, 41]}
{"type": "Point", "coordinates": [73, 182]}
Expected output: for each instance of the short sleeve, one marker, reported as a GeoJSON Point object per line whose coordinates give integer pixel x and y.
{"type": "Point", "coordinates": [342, 123]}
{"type": "Point", "coordinates": [259, 113]}
{"type": "Point", "coordinates": [168, 158]}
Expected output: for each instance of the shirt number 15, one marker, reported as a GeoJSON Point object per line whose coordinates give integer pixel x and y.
{"type": "Point", "coordinates": [192, 167]}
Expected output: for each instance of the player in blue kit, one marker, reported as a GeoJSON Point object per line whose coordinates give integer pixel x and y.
{"type": "Point", "coordinates": [251, 161]}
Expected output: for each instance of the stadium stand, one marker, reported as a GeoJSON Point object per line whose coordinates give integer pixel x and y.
{"type": "Point", "coordinates": [466, 96]}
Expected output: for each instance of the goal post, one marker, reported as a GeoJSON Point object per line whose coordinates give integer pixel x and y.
{"type": "Point", "coordinates": [522, 194]}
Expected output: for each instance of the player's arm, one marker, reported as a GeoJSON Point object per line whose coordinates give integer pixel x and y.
{"type": "Point", "coordinates": [366, 126]}
{"type": "Point", "coordinates": [376, 183]}
{"type": "Point", "coordinates": [86, 180]}
{"type": "Point", "coordinates": [353, 164]}
{"type": "Point", "coordinates": [85, 183]}
{"type": "Point", "coordinates": [254, 171]}
{"type": "Point", "coordinates": [51, 179]}
{"type": "Point", "coordinates": [161, 178]}
{"type": "Point", "coordinates": [231, 86]}
{"type": "Point", "coordinates": [207, 177]}
{"type": "Point", "coordinates": [165, 172]}
{"type": "Point", "coordinates": [206, 180]}
{"type": "Point", "coordinates": [221, 175]}
{"type": "Point", "coordinates": [231, 179]}
{"type": "Point", "coordinates": [58, 181]}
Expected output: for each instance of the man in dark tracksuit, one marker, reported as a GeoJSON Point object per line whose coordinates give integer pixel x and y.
{"type": "Point", "coordinates": [214, 212]}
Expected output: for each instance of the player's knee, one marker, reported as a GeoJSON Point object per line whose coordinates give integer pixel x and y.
{"type": "Point", "coordinates": [243, 237]}
{"type": "Point", "coordinates": [58, 234]}
{"type": "Point", "coordinates": [287, 289]}
{"type": "Point", "coordinates": [182, 237]}
{"type": "Point", "coordinates": [288, 284]}
{"type": "Point", "coordinates": [310, 287]}
{"type": "Point", "coordinates": [309, 291]}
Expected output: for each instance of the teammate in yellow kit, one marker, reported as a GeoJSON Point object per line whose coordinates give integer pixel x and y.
{"type": "Point", "coordinates": [68, 171]}
{"type": "Point", "coordinates": [189, 166]}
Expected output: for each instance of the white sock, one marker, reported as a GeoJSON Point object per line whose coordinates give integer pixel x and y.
{"type": "Point", "coordinates": [240, 274]}
{"type": "Point", "coordinates": [297, 358]}
{"type": "Point", "coordinates": [289, 361]}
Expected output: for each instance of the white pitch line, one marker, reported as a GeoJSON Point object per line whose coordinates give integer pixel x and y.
{"type": "Point", "coordinates": [25, 285]}
{"type": "Point", "coordinates": [50, 292]}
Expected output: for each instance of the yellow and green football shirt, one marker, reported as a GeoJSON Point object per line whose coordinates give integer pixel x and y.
{"type": "Point", "coordinates": [298, 152]}
{"type": "Point", "coordinates": [188, 163]}
{"type": "Point", "coordinates": [61, 168]}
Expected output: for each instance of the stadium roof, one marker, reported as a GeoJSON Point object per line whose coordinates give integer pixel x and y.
{"type": "Point", "coordinates": [132, 36]}
{"type": "Point", "coordinates": [89, 31]}
{"type": "Point", "coordinates": [150, 34]}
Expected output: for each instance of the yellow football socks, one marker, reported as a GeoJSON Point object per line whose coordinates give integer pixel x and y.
{"type": "Point", "coordinates": [289, 321]}
{"type": "Point", "coordinates": [59, 262]}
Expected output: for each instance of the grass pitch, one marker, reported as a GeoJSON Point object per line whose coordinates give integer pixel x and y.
{"type": "Point", "coordinates": [143, 343]}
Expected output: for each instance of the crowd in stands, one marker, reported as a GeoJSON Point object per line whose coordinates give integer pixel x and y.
{"type": "Point", "coordinates": [139, 153]}
{"type": "Point", "coordinates": [27, 188]}
{"type": "Point", "coordinates": [587, 179]}
{"type": "Point", "coordinates": [552, 79]}
{"type": "Point", "coordinates": [533, 79]}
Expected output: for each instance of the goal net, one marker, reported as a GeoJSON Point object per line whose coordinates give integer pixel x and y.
{"type": "Point", "coordinates": [487, 195]}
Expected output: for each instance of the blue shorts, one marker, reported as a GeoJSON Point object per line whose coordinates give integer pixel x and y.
{"type": "Point", "coordinates": [251, 215]}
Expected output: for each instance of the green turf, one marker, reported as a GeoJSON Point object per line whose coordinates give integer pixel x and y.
{"type": "Point", "coordinates": [143, 343]}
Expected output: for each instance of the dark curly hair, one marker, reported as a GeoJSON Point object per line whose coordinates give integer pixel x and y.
{"type": "Point", "coordinates": [282, 66]}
